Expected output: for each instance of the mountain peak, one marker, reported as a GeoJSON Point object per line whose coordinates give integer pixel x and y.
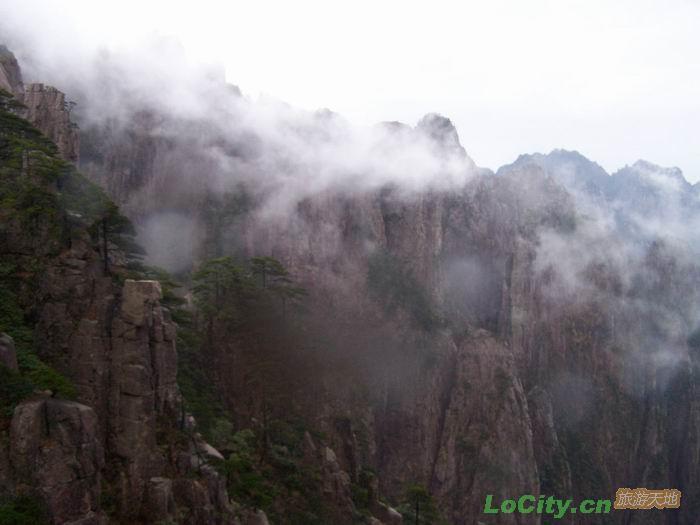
{"type": "Point", "coordinates": [566, 154]}
{"type": "Point", "coordinates": [569, 168]}
{"type": "Point", "coordinates": [658, 174]}
{"type": "Point", "coordinates": [440, 129]}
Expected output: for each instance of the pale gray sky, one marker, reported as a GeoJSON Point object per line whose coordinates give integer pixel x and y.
{"type": "Point", "coordinates": [615, 80]}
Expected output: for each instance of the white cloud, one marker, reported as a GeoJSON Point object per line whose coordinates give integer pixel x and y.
{"type": "Point", "coordinates": [617, 80]}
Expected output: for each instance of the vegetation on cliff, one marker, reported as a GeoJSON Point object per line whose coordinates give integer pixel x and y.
{"type": "Point", "coordinates": [392, 283]}
{"type": "Point", "coordinates": [22, 510]}
{"type": "Point", "coordinates": [41, 197]}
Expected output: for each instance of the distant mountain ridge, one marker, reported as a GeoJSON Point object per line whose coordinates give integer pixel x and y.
{"type": "Point", "coordinates": [577, 172]}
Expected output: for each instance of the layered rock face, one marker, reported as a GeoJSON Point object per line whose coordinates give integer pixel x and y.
{"type": "Point", "coordinates": [49, 110]}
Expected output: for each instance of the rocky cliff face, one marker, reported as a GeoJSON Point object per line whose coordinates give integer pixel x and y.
{"type": "Point", "coordinates": [107, 453]}
{"type": "Point", "coordinates": [535, 335]}
{"type": "Point", "coordinates": [120, 449]}
{"type": "Point", "coordinates": [118, 346]}
{"type": "Point", "coordinates": [545, 378]}
{"type": "Point", "coordinates": [45, 107]}
{"type": "Point", "coordinates": [558, 372]}
{"type": "Point", "coordinates": [49, 110]}
{"type": "Point", "coordinates": [10, 74]}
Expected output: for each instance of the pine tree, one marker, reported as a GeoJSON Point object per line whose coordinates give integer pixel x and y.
{"type": "Point", "coordinates": [117, 231]}
{"type": "Point", "coordinates": [274, 279]}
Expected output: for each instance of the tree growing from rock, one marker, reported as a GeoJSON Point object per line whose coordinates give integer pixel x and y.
{"type": "Point", "coordinates": [419, 508]}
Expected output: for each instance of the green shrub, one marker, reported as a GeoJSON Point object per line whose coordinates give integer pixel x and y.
{"type": "Point", "coordinates": [360, 497]}
{"type": "Point", "coordinates": [246, 483]}
{"type": "Point", "coordinates": [44, 377]}
{"type": "Point", "coordinates": [13, 388]}
{"type": "Point", "coordinates": [12, 320]}
{"type": "Point", "coordinates": [33, 374]}
{"type": "Point", "coordinates": [22, 510]}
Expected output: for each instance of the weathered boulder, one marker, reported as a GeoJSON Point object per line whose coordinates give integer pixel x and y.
{"type": "Point", "coordinates": [8, 355]}
{"type": "Point", "coordinates": [257, 518]}
{"type": "Point", "coordinates": [160, 503]}
{"type": "Point", "coordinates": [205, 450]}
{"type": "Point", "coordinates": [54, 448]}
{"type": "Point", "coordinates": [202, 497]}
{"type": "Point", "coordinates": [138, 297]}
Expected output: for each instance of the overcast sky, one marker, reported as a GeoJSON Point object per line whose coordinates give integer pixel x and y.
{"type": "Point", "coordinates": [615, 80]}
